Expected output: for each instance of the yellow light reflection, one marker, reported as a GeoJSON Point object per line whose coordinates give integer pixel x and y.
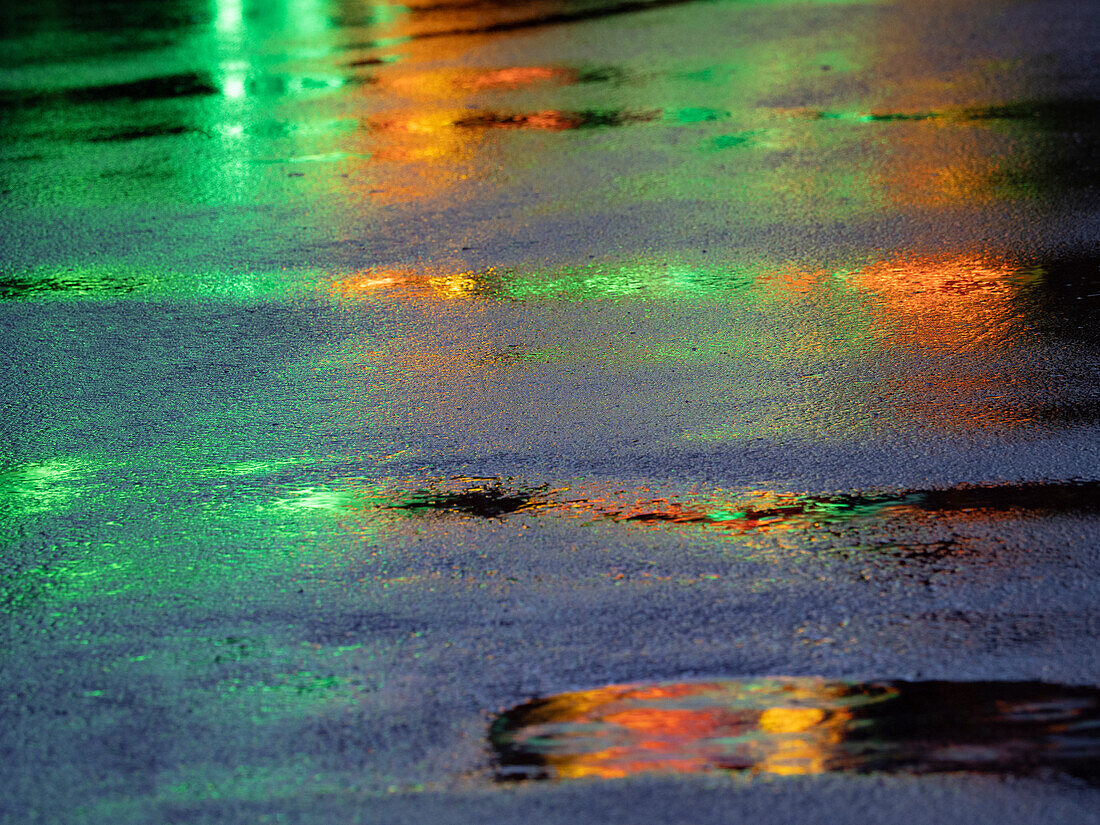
{"type": "Point", "coordinates": [458, 285]}
{"type": "Point", "coordinates": [361, 284]}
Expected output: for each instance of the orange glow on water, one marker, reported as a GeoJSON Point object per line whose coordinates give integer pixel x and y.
{"type": "Point", "coordinates": [926, 170]}
{"type": "Point", "coordinates": [418, 104]}
{"type": "Point", "coordinates": [517, 76]}
{"type": "Point", "coordinates": [941, 307]}
{"type": "Point", "coordinates": [694, 727]}
{"type": "Point", "coordinates": [962, 291]}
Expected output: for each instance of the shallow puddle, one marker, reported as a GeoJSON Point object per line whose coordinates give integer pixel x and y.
{"type": "Point", "coordinates": [730, 511]}
{"type": "Point", "coordinates": [803, 726]}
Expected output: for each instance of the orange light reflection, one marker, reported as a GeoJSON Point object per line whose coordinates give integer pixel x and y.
{"type": "Point", "coordinates": [962, 313]}
{"type": "Point", "coordinates": [412, 135]}
{"type": "Point", "coordinates": [691, 728]}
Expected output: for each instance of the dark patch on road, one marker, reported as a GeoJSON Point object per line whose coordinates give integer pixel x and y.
{"type": "Point", "coordinates": [1049, 114]}
{"type": "Point", "coordinates": [555, 120]}
{"type": "Point", "coordinates": [485, 500]}
{"type": "Point", "coordinates": [1038, 497]}
{"type": "Point", "coordinates": [30, 285]}
{"type": "Point", "coordinates": [186, 84]}
{"type": "Point", "coordinates": [1065, 302]}
{"type": "Point", "coordinates": [140, 133]}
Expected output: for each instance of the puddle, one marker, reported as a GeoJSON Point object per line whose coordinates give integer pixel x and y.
{"type": "Point", "coordinates": [760, 511]}
{"type": "Point", "coordinates": [803, 726]}
{"type": "Point", "coordinates": [753, 511]}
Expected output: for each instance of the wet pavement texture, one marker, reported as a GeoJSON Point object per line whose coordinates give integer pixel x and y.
{"type": "Point", "coordinates": [572, 410]}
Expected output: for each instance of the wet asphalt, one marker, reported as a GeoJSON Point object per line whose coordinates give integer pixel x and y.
{"type": "Point", "coordinates": [563, 410]}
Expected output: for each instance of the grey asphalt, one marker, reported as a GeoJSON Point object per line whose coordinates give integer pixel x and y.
{"type": "Point", "coordinates": [370, 371]}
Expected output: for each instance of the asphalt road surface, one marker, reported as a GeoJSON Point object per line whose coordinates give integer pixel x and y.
{"type": "Point", "coordinates": [557, 411]}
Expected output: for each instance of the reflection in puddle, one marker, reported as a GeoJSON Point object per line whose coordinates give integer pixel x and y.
{"type": "Point", "coordinates": [516, 77]}
{"type": "Point", "coordinates": [45, 487]}
{"type": "Point", "coordinates": [753, 511]}
{"type": "Point", "coordinates": [759, 511]}
{"type": "Point", "coordinates": [764, 511]}
{"type": "Point", "coordinates": [436, 85]}
{"type": "Point", "coordinates": [802, 726]}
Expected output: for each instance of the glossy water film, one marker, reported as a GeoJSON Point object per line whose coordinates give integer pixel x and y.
{"type": "Point", "coordinates": [369, 367]}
